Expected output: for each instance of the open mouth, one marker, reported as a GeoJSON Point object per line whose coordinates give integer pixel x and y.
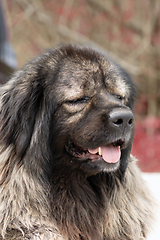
{"type": "Point", "coordinates": [110, 153]}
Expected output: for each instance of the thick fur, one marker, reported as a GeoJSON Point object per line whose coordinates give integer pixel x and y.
{"type": "Point", "coordinates": [46, 192]}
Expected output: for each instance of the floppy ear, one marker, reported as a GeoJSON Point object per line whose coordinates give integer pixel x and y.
{"type": "Point", "coordinates": [20, 102]}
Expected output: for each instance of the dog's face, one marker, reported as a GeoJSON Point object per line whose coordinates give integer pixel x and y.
{"type": "Point", "coordinates": [93, 122]}
{"type": "Point", "coordinates": [86, 101]}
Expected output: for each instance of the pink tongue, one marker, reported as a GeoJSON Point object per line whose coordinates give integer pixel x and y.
{"type": "Point", "coordinates": [109, 153]}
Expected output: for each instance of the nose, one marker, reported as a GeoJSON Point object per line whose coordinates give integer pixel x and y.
{"type": "Point", "coordinates": [121, 118]}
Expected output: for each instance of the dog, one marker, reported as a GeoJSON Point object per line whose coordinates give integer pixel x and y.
{"type": "Point", "coordinates": [66, 133]}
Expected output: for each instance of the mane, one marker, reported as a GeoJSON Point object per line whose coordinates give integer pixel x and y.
{"type": "Point", "coordinates": [75, 207]}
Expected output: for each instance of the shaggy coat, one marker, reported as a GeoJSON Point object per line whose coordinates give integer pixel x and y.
{"type": "Point", "coordinates": [53, 111]}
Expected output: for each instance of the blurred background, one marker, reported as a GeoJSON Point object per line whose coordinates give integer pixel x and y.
{"type": "Point", "coordinates": [128, 30]}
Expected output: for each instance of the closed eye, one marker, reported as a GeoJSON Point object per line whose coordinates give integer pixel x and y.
{"type": "Point", "coordinates": [78, 100]}
{"type": "Point", "coordinates": [120, 97]}
{"type": "Point", "coordinates": [76, 105]}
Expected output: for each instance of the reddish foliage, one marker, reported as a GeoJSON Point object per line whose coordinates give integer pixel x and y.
{"type": "Point", "coordinates": [146, 145]}
{"type": "Point", "coordinates": [156, 39]}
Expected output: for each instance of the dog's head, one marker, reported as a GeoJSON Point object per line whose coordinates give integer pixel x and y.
{"type": "Point", "coordinates": [70, 108]}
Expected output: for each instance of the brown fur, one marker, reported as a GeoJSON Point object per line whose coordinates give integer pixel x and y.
{"type": "Point", "coordinates": [46, 193]}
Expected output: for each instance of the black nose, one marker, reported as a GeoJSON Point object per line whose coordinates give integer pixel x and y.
{"type": "Point", "coordinates": [121, 117]}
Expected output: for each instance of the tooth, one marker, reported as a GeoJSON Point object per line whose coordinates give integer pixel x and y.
{"type": "Point", "coordinates": [100, 152]}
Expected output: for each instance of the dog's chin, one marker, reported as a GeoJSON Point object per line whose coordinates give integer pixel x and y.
{"type": "Point", "coordinates": [91, 163]}
{"type": "Point", "coordinates": [91, 167]}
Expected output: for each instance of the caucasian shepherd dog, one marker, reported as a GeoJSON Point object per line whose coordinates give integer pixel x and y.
{"type": "Point", "coordinates": [66, 134]}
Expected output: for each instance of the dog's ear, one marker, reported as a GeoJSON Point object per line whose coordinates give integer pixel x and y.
{"type": "Point", "coordinates": [20, 102]}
